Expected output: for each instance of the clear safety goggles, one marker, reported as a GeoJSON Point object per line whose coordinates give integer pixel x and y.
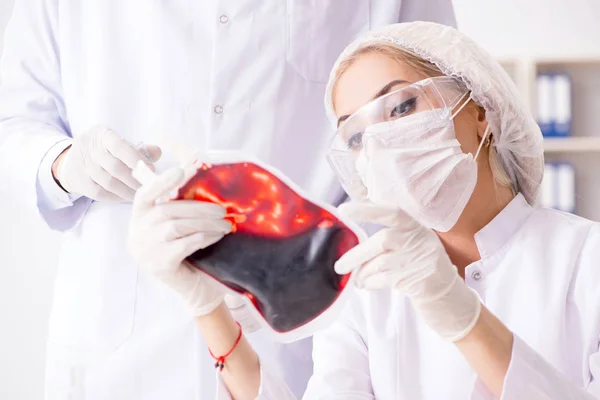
{"type": "Point", "coordinates": [439, 93]}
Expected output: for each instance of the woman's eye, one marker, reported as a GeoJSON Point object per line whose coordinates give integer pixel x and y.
{"type": "Point", "coordinates": [355, 141]}
{"type": "Point", "coordinates": [404, 108]}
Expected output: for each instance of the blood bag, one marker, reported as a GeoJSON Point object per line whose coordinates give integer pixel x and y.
{"type": "Point", "coordinates": [281, 252]}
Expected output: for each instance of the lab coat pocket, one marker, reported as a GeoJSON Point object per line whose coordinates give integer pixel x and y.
{"type": "Point", "coordinates": [96, 284]}
{"type": "Point", "coordinates": [318, 31]}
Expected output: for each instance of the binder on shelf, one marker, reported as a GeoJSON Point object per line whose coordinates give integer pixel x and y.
{"type": "Point", "coordinates": [546, 198]}
{"type": "Point", "coordinates": [558, 187]}
{"type": "Point", "coordinates": [565, 178]}
{"type": "Point", "coordinates": [545, 105]}
{"type": "Point", "coordinates": [554, 105]}
{"type": "Point", "coordinates": [563, 105]}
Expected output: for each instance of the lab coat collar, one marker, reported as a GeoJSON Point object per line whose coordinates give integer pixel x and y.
{"type": "Point", "coordinates": [495, 234]}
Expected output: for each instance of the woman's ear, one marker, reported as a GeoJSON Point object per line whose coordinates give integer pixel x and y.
{"type": "Point", "coordinates": [481, 121]}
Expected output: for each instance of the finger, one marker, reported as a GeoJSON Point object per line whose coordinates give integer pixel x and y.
{"type": "Point", "coordinates": [141, 147]}
{"type": "Point", "coordinates": [157, 186]}
{"type": "Point", "coordinates": [378, 281]}
{"type": "Point", "coordinates": [95, 192]}
{"type": "Point", "coordinates": [378, 265]}
{"type": "Point", "coordinates": [121, 149]}
{"type": "Point", "coordinates": [119, 170]}
{"type": "Point", "coordinates": [180, 228]}
{"type": "Point", "coordinates": [369, 212]}
{"type": "Point", "coordinates": [381, 242]}
{"type": "Point", "coordinates": [357, 256]}
{"type": "Point", "coordinates": [111, 184]}
{"type": "Point", "coordinates": [190, 244]}
{"type": "Point", "coordinates": [185, 155]}
{"type": "Point", "coordinates": [152, 152]}
{"type": "Point", "coordinates": [184, 209]}
{"type": "Point", "coordinates": [391, 270]}
{"type": "Point", "coordinates": [176, 251]}
{"type": "Point", "coordinates": [143, 173]}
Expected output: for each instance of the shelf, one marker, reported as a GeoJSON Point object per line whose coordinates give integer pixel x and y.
{"type": "Point", "coordinates": [583, 152]}
{"type": "Point", "coordinates": [547, 60]}
{"type": "Point", "coordinates": [568, 60]}
{"type": "Point", "coordinates": [571, 144]}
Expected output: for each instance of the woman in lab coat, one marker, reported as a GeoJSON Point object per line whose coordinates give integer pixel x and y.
{"type": "Point", "coordinates": [468, 292]}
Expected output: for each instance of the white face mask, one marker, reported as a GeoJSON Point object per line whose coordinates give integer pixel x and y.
{"type": "Point", "coordinates": [415, 163]}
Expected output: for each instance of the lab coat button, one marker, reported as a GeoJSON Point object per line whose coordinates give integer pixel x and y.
{"type": "Point", "coordinates": [476, 275]}
{"type": "Point", "coordinates": [223, 19]}
{"type": "Point", "coordinates": [218, 110]}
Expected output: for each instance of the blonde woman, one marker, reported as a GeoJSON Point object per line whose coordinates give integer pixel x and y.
{"type": "Point", "coordinates": [469, 292]}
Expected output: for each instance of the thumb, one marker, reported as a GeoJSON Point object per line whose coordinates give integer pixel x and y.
{"type": "Point", "coordinates": [152, 152]}
{"type": "Point", "coordinates": [373, 213]}
{"type": "Point", "coordinates": [155, 187]}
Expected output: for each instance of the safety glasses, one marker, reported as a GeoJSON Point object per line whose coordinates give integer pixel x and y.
{"type": "Point", "coordinates": [439, 93]}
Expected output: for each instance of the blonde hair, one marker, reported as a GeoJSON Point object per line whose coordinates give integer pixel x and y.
{"type": "Point", "coordinates": [426, 69]}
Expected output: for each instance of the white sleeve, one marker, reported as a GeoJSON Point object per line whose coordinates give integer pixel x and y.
{"type": "Point", "coordinates": [51, 195]}
{"type": "Point", "coordinates": [440, 11]}
{"type": "Point", "coordinates": [341, 365]}
{"type": "Point", "coordinates": [341, 359]}
{"type": "Point", "coordinates": [272, 387]}
{"type": "Point", "coordinates": [531, 377]}
{"type": "Point", "coordinates": [33, 126]}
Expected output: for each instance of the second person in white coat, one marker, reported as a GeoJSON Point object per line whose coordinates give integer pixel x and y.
{"type": "Point", "coordinates": [217, 75]}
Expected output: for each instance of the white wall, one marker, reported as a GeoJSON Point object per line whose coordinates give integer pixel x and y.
{"type": "Point", "coordinates": [27, 255]}
{"type": "Point", "coordinates": [27, 259]}
{"type": "Point", "coordinates": [5, 9]}
{"type": "Point", "coordinates": [532, 27]}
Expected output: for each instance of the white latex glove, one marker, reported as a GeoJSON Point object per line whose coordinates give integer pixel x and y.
{"type": "Point", "coordinates": [162, 235]}
{"type": "Point", "coordinates": [99, 163]}
{"type": "Point", "coordinates": [408, 257]}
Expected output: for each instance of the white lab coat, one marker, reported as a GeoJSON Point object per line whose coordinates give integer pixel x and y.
{"type": "Point", "coordinates": [243, 75]}
{"type": "Point", "coordinates": [539, 273]}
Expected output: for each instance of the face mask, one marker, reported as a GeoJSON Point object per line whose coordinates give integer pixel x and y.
{"type": "Point", "coordinates": [280, 256]}
{"type": "Point", "coordinates": [416, 164]}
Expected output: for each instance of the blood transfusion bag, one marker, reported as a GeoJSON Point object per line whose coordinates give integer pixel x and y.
{"type": "Point", "coordinates": [281, 252]}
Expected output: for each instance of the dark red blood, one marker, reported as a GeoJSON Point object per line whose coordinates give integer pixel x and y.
{"type": "Point", "coordinates": [283, 247]}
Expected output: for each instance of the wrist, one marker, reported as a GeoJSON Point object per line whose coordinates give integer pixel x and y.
{"type": "Point", "coordinates": [488, 349]}
{"type": "Point", "coordinates": [489, 332]}
{"type": "Point", "coordinates": [201, 294]}
{"type": "Point", "coordinates": [219, 329]}
{"type": "Point", "coordinates": [56, 167]}
{"type": "Point", "coordinates": [452, 314]}
{"type": "Point", "coordinates": [220, 359]}
{"type": "Point", "coordinates": [203, 306]}
{"type": "Point", "coordinates": [241, 373]}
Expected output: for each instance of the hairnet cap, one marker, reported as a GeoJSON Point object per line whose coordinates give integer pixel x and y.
{"type": "Point", "coordinates": [517, 137]}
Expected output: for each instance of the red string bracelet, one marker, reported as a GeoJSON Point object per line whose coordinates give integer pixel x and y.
{"type": "Point", "coordinates": [221, 360]}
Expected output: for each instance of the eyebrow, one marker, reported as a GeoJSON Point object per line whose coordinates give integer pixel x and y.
{"type": "Point", "coordinates": [383, 91]}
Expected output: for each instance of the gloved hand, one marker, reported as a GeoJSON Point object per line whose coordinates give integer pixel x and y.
{"type": "Point", "coordinates": [408, 257]}
{"type": "Point", "coordinates": [162, 235]}
{"type": "Point", "coordinates": [98, 165]}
